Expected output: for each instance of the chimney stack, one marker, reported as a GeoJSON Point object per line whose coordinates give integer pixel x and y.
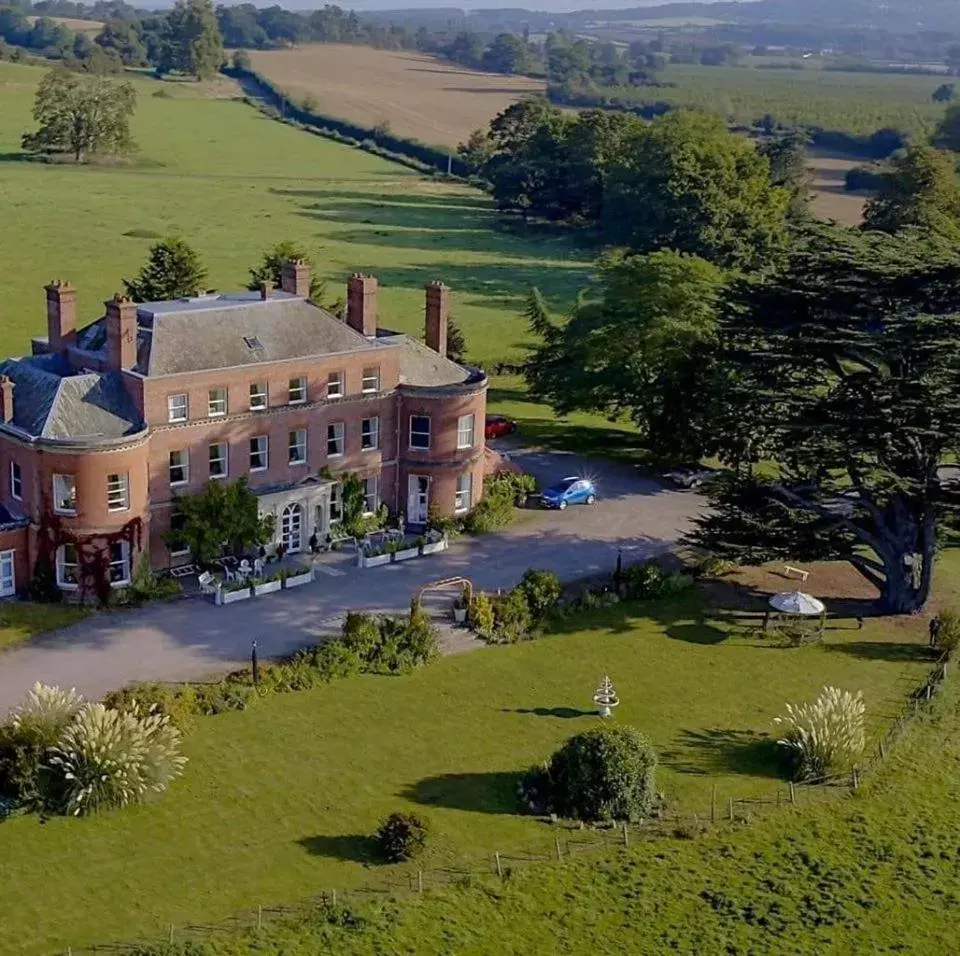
{"type": "Point", "coordinates": [61, 315]}
{"type": "Point", "coordinates": [6, 398]}
{"type": "Point", "coordinates": [265, 289]}
{"type": "Point", "coordinates": [438, 315]}
{"type": "Point", "coordinates": [295, 277]}
{"type": "Point", "coordinates": [121, 332]}
{"type": "Point", "coordinates": [362, 304]}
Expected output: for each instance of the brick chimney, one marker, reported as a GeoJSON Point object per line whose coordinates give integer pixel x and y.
{"type": "Point", "coordinates": [362, 304]}
{"type": "Point", "coordinates": [295, 277]}
{"type": "Point", "coordinates": [121, 332]}
{"type": "Point", "coordinates": [265, 289]}
{"type": "Point", "coordinates": [6, 398]}
{"type": "Point", "coordinates": [438, 315]}
{"type": "Point", "coordinates": [61, 315]}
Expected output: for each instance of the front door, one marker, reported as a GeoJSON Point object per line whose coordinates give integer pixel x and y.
{"type": "Point", "coordinates": [8, 584]}
{"type": "Point", "coordinates": [291, 528]}
{"type": "Point", "coordinates": [418, 503]}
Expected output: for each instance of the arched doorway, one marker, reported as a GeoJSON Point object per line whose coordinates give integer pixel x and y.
{"type": "Point", "coordinates": [291, 528]}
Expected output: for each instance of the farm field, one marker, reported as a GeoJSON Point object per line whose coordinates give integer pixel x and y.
{"type": "Point", "coordinates": [419, 96]}
{"type": "Point", "coordinates": [830, 200]}
{"type": "Point", "coordinates": [93, 27]}
{"type": "Point", "coordinates": [278, 801]}
{"type": "Point", "coordinates": [232, 182]}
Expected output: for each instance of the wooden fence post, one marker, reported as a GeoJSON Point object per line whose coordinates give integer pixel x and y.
{"type": "Point", "coordinates": [793, 793]}
{"type": "Point", "coordinates": [626, 838]}
{"type": "Point", "coordinates": [419, 881]}
{"type": "Point", "coordinates": [171, 934]}
{"type": "Point", "coordinates": [713, 804]}
{"type": "Point", "coordinates": [929, 692]}
{"type": "Point", "coordinates": [730, 808]}
{"type": "Point", "coordinates": [855, 779]}
{"type": "Point", "coordinates": [556, 841]}
{"type": "Point", "coordinates": [883, 750]}
{"type": "Point", "coordinates": [259, 918]}
{"type": "Point", "coordinates": [496, 856]}
{"type": "Point", "coordinates": [333, 897]}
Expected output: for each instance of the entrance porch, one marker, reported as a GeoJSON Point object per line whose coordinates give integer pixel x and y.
{"type": "Point", "coordinates": [299, 511]}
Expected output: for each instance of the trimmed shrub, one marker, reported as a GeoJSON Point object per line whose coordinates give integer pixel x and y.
{"type": "Point", "coordinates": [602, 775]}
{"type": "Point", "coordinates": [649, 582]}
{"type": "Point", "coordinates": [402, 836]}
{"type": "Point", "coordinates": [542, 591]}
{"type": "Point", "coordinates": [512, 619]}
{"type": "Point", "coordinates": [480, 616]}
{"type": "Point", "coordinates": [361, 634]}
{"type": "Point", "coordinates": [109, 758]}
{"type": "Point", "coordinates": [826, 736]}
{"type": "Point", "coordinates": [949, 636]}
{"type": "Point", "coordinates": [491, 513]}
{"type": "Point", "coordinates": [178, 702]}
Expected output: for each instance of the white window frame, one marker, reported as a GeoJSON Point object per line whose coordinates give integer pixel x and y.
{"type": "Point", "coordinates": [425, 447]}
{"type": "Point", "coordinates": [372, 482]}
{"type": "Point", "coordinates": [118, 492]}
{"type": "Point", "coordinates": [123, 560]}
{"type": "Point", "coordinates": [297, 446]}
{"type": "Point", "coordinates": [174, 406]}
{"type": "Point", "coordinates": [259, 396]}
{"type": "Point", "coordinates": [215, 401]}
{"type": "Point", "coordinates": [297, 390]}
{"type": "Point", "coordinates": [466, 428]}
{"type": "Point", "coordinates": [372, 434]}
{"type": "Point", "coordinates": [16, 481]}
{"type": "Point", "coordinates": [11, 556]}
{"type": "Point", "coordinates": [339, 437]}
{"type": "Point", "coordinates": [225, 459]}
{"type": "Point", "coordinates": [57, 495]}
{"type": "Point", "coordinates": [261, 451]}
{"type": "Point", "coordinates": [184, 466]}
{"type": "Point", "coordinates": [335, 385]}
{"type": "Point", "coordinates": [370, 382]}
{"type": "Point", "coordinates": [62, 565]}
{"type": "Point", "coordinates": [336, 503]}
{"type": "Point", "coordinates": [460, 506]}
{"type": "Point", "coordinates": [183, 551]}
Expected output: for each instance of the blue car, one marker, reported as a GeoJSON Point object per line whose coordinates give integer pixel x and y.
{"type": "Point", "coordinates": [570, 491]}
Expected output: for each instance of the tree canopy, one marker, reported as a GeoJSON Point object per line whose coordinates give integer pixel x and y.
{"type": "Point", "coordinates": [644, 349]}
{"type": "Point", "coordinates": [173, 270]}
{"type": "Point", "coordinates": [81, 115]}
{"type": "Point", "coordinates": [193, 44]}
{"type": "Point", "coordinates": [920, 189]}
{"type": "Point", "coordinates": [842, 374]}
{"type": "Point", "coordinates": [273, 258]}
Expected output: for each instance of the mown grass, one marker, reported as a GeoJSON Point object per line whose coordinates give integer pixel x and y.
{"type": "Point", "coordinates": [21, 622]}
{"type": "Point", "coordinates": [872, 873]}
{"type": "Point", "coordinates": [231, 182]}
{"type": "Point", "coordinates": [278, 802]}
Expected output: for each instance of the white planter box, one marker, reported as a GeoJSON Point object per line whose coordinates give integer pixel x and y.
{"type": "Point", "coordinates": [295, 580]}
{"type": "Point", "coordinates": [268, 587]}
{"type": "Point", "coordinates": [434, 547]}
{"type": "Point", "coordinates": [231, 597]}
{"type": "Point", "coordinates": [460, 615]}
{"type": "Point", "coordinates": [406, 554]}
{"type": "Point", "coordinates": [375, 561]}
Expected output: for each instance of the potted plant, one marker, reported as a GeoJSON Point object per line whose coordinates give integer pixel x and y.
{"type": "Point", "coordinates": [460, 607]}
{"type": "Point", "coordinates": [434, 541]}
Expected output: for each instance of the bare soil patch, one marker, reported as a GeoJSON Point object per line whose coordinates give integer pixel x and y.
{"type": "Point", "coordinates": [831, 200]}
{"type": "Point", "coordinates": [418, 96]}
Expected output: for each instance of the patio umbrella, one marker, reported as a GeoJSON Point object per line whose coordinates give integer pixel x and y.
{"type": "Point", "coordinates": [796, 602]}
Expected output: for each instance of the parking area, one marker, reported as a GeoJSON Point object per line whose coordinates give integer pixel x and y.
{"type": "Point", "coordinates": [192, 639]}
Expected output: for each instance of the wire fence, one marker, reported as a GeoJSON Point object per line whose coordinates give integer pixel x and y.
{"type": "Point", "coordinates": [567, 840]}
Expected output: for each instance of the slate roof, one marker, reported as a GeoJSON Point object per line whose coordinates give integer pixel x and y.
{"type": "Point", "coordinates": [51, 402]}
{"type": "Point", "coordinates": [420, 365]}
{"type": "Point", "coordinates": [212, 332]}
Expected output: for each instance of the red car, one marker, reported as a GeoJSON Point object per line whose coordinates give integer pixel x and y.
{"type": "Point", "coordinates": [497, 426]}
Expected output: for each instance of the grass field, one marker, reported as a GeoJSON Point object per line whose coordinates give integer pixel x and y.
{"type": "Point", "coordinates": [20, 622]}
{"type": "Point", "coordinates": [93, 27]}
{"type": "Point", "coordinates": [232, 182]}
{"type": "Point", "coordinates": [277, 802]}
{"type": "Point", "coordinates": [875, 873]}
{"type": "Point", "coordinates": [419, 96]}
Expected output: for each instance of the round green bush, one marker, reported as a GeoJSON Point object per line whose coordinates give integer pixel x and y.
{"type": "Point", "coordinates": [602, 775]}
{"type": "Point", "coordinates": [402, 836]}
{"type": "Point", "coordinates": [542, 590]}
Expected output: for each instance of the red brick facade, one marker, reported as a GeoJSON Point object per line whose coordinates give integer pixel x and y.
{"type": "Point", "coordinates": [383, 409]}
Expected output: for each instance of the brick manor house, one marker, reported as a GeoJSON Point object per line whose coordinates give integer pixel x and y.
{"type": "Point", "coordinates": [103, 426]}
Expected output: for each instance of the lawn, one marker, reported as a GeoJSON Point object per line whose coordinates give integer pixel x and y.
{"type": "Point", "coordinates": [231, 182]}
{"type": "Point", "coordinates": [277, 802]}
{"type": "Point", "coordinates": [21, 622]}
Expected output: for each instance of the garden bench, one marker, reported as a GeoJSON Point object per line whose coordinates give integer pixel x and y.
{"type": "Point", "coordinates": [207, 582]}
{"type": "Point", "coordinates": [789, 569]}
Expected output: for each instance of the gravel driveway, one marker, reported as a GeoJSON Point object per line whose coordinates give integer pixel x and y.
{"type": "Point", "coordinates": [192, 639]}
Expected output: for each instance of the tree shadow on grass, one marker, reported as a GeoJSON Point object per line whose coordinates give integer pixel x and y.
{"type": "Point", "coordinates": [703, 752]}
{"type": "Point", "coordinates": [562, 713]}
{"type": "Point", "coordinates": [355, 847]}
{"type": "Point", "coordinates": [884, 651]}
{"type": "Point", "coordinates": [476, 792]}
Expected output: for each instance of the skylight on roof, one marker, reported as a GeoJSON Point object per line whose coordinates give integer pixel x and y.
{"type": "Point", "coordinates": [253, 343]}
